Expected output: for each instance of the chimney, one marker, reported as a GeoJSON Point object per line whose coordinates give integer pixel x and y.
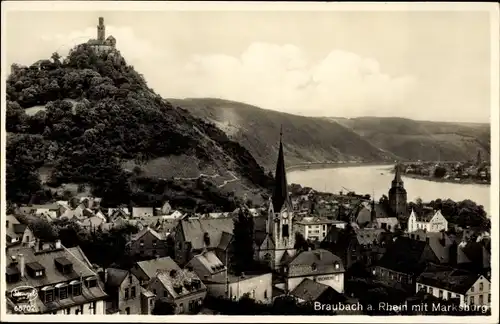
{"type": "Point", "coordinates": [58, 244]}
{"type": "Point", "coordinates": [21, 264]}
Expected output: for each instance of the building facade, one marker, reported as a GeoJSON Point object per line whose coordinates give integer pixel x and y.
{"type": "Point", "coordinates": [432, 222]}
{"type": "Point", "coordinates": [124, 292]}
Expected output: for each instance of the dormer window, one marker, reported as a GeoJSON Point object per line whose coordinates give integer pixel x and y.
{"type": "Point", "coordinates": [337, 265]}
{"type": "Point", "coordinates": [62, 291]}
{"type": "Point", "coordinates": [12, 274]}
{"type": "Point", "coordinates": [63, 265]}
{"type": "Point", "coordinates": [314, 267]}
{"type": "Point", "coordinates": [91, 282]}
{"type": "Point", "coordinates": [75, 288]}
{"type": "Point", "coordinates": [47, 294]}
{"type": "Point", "coordinates": [35, 269]}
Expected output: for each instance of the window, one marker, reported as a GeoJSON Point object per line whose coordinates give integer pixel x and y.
{"type": "Point", "coordinates": [440, 293]}
{"type": "Point", "coordinates": [68, 311]}
{"type": "Point", "coordinates": [7, 224]}
{"type": "Point", "coordinates": [76, 288]}
{"type": "Point", "coordinates": [181, 307]}
{"type": "Point", "coordinates": [430, 290]}
{"type": "Point", "coordinates": [481, 301]}
{"type": "Point", "coordinates": [92, 308]}
{"type": "Point", "coordinates": [132, 292]}
{"type": "Point", "coordinates": [471, 300]}
{"type": "Point", "coordinates": [472, 289]}
{"type": "Point", "coordinates": [154, 291]}
{"type": "Point", "coordinates": [141, 242]}
{"type": "Point", "coordinates": [313, 266]}
{"type": "Point", "coordinates": [165, 293]}
{"type": "Point", "coordinates": [446, 295]}
{"type": "Point", "coordinates": [27, 238]}
{"type": "Point", "coordinates": [265, 294]}
{"type": "Point", "coordinates": [126, 293]}
{"type": "Point", "coordinates": [130, 281]}
{"type": "Point", "coordinates": [154, 242]}
{"type": "Point", "coordinates": [481, 286]}
{"type": "Point", "coordinates": [489, 298]}
{"type": "Point", "coordinates": [337, 277]}
{"type": "Point", "coordinates": [127, 310]}
{"type": "Point", "coordinates": [62, 292]}
{"type": "Point", "coordinates": [49, 295]}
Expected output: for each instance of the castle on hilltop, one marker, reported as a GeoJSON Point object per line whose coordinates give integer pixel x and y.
{"type": "Point", "coordinates": [102, 44]}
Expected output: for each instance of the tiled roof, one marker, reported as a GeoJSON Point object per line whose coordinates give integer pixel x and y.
{"type": "Point", "coordinates": [46, 259]}
{"type": "Point", "coordinates": [367, 236]}
{"type": "Point", "coordinates": [195, 229]}
{"type": "Point", "coordinates": [142, 211]}
{"type": "Point", "coordinates": [314, 220]}
{"type": "Point", "coordinates": [455, 280]}
{"type": "Point", "coordinates": [151, 267]}
{"type": "Point", "coordinates": [182, 279]}
{"type": "Point", "coordinates": [145, 230]}
{"type": "Point", "coordinates": [52, 276]}
{"type": "Point", "coordinates": [225, 240]}
{"type": "Point", "coordinates": [309, 290]}
{"type": "Point", "coordinates": [439, 246]}
{"type": "Point", "coordinates": [325, 262]}
{"type": "Point", "coordinates": [404, 255]}
{"type": "Point", "coordinates": [206, 264]}
{"type": "Point", "coordinates": [115, 277]}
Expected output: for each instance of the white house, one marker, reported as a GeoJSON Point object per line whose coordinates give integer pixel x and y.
{"type": "Point", "coordinates": [430, 222]}
{"type": "Point", "coordinates": [446, 283]}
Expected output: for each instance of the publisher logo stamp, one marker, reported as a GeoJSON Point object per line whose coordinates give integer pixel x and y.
{"type": "Point", "coordinates": [23, 298]}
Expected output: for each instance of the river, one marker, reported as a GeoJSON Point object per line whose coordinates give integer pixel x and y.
{"type": "Point", "coordinates": [377, 180]}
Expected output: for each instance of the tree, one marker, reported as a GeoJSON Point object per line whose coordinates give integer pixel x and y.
{"type": "Point", "coordinates": [440, 172]}
{"type": "Point", "coordinates": [243, 240]}
{"type": "Point", "coordinates": [163, 307]}
{"type": "Point", "coordinates": [300, 242]}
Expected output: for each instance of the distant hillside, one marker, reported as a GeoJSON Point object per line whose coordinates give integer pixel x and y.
{"type": "Point", "coordinates": [423, 140]}
{"type": "Point", "coordinates": [309, 139]}
{"type": "Point", "coordinates": [305, 139]}
{"type": "Point", "coordinates": [91, 121]}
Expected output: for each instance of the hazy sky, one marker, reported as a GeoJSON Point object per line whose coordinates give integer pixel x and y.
{"type": "Point", "coordinates": [420, 65]}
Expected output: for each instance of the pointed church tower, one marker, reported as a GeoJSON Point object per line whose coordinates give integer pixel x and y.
{"type": "Point", "coordinates": [397, 195]}
{"type": "Point", "coordinates": [280, 238]}
{"type": "Point", "coordinates": [373, 212]}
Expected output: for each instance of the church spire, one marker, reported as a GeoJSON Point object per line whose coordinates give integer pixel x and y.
{"type": "Point", "coordinates": [280, 193]}
{"type": "Point", "coordinates": [397, 182]}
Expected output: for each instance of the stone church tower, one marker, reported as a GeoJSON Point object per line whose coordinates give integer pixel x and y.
{"type": "Point", "coordinates": [280, 240]}
{"type": "Point", "coordinates": [397, 195]}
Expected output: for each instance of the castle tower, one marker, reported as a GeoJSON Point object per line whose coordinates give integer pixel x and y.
{"type": "Point", "coordinates": [101, 30]}
{"type": "Point", "coordinates": [281, 238]}
{"type": "Point", "coordinates": [397, 195]}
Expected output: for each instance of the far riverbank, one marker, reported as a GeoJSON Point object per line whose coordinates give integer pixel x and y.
{"type": "Point", "coordinates": [449, 180]}
{"type": "Point", "coordinates": [333, 165]}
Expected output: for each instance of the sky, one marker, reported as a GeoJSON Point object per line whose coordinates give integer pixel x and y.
{"type": "Point", "coordinates": [422, 65]}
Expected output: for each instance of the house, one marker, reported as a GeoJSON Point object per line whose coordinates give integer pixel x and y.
{"type": "Point", "coordinates": [142, 212]}
{"type": "Point", "coordinates": [91, 202]}
{"type": "Point", "coordinates": [148, 242]}
{"type": "Point", "coordinates": [312, 291]}
{"type": "Point", "coordinates": [447, 282]}
{"type": "Point", "coordinates": [219, 282]}
{"type": "Point", "coordinates": [146, 270]}
{"type": "Point", "coordinates": [118, 212]}
{"type": "Point", "coordinates": [316, 228]}
{"type": "Point", "coordinates": [258, 287]}
{"type": "Point", "coordinates": [319, 265]}
{"type": "Point", "coordinates": [440, 243]}
{"type": "Point", "coordinates": [63, 278]}
{"type": "Point", "coordinates": [193, 235]}
{"type": "Point", "coordinates": [377, 216]}
{"type": "Point", "coordinates": [124, 292]}
{"type": "Point", "coordinates": [181, 287]}
{"type": "Point", "coordinates": [403, 261]}
{"type": "Point", "coordinates": [430, 221]}
{"type": "Point", "coordinates": [208, 266]}
{"type": "Point", "coordinates": [92, 223]}
{"type": "Point", "coordinates": [474, 255]}
{"type": "Point", "coordinates": [16, 232]}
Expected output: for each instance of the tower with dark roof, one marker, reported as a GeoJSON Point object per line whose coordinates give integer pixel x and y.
{"type": "Point", "coordinates": [280, 236]}
{"type": "Point", "coordinates": [397, 195]}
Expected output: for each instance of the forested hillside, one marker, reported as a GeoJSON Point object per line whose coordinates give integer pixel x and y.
{"type": "Point", "coordinates": [91, 121]}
